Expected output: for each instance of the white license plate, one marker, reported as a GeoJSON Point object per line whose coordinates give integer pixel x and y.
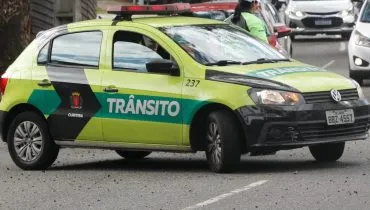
{"type": "Point", "coordinates": [322, 22]}
{"type": "Point", "coordinates": [338, 117]}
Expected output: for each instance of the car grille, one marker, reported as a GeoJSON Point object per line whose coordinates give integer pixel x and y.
{"type": "Point", "coordinates": [327, 13]}
{"type": "Point", "coordinates": [325, 96]}
{"type": "Point", "coordinates": [310, 22]}
{"type": "Point", "coordinates": [321, 131]}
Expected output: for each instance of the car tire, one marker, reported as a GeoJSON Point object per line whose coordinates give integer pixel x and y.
{"type": "Point", "coordinates": [346, 36]}
{"type": "Point", "coordinates": [222, 142]}
{"type": "Point", "coordinates": [329, 152]}
{"type": "Point", "coordinates": [292, 37]}
{"type": "Point", "coordinates": [358, 79]}
{"type": "Point", "coordinates": [29, 142]}
{"type": "Point", "coordinates": [133, 155]}
{"type": "Point", "coordinates": [291, 50]}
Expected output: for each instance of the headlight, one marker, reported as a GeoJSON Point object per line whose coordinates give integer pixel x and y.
{"type": "Point", "coordinates": [348, 11]}
{"type": "Point", "coordinates": [359, 90]}
{"type": "Point", "coordinates": [361, 40]}
{"type": "Point", "coordinates": [345, 13]}
{"type": "Point", "coordinates": [297, 13]}
{"type": "Point", "coordinates": [276, 97]}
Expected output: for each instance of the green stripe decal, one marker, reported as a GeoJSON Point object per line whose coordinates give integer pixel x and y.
{"type": "Point", "coordinates": [47, 101]}
{"type": "Point", "coordinates": [147, 108]}
{"type": "Point", "coordinates": [125, 106]}
{"type": "Point", "coordinates": [274, 72]}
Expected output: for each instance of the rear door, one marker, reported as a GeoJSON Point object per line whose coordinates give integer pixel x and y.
{"type": "Point", "coordinates": [65, 78]}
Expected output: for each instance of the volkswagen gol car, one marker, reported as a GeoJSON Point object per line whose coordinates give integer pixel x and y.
{"type": "Point", "coordinates": [171, 83]}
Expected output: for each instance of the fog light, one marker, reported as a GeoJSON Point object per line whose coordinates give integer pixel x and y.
{"type": "Point", "coordinates": [275, 133]}
{"type": "Point", "coordinates": [358, 61]}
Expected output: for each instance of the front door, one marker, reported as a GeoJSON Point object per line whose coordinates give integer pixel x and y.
{"type": "Point", "coordinates": [65, 79]}
{"type": "Point", "coordinates": [140, 107]}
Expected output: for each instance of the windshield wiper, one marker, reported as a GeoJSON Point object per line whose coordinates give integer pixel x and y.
{"type": "Point", "coordinates": [223, 63]}
{"type": "Point", "coordinates": [264, 60]}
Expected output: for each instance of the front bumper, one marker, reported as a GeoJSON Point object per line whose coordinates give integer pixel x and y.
{"type": "Point", "coordinates": [283, 127]}
{"type": "Point", "coordinates": [306, 25]}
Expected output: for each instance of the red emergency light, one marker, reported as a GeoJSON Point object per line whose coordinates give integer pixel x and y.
{"type": "Point", "coordinates": [213, 6]}
{"type": "Point", "coordinates": [164, 9]}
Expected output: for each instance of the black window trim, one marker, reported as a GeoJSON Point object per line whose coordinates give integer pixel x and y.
{"type": "Point", "coordinates": [51, 42]}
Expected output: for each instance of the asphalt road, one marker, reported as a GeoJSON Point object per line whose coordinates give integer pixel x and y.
{"type": "Point", "coordinates": [100, 179]}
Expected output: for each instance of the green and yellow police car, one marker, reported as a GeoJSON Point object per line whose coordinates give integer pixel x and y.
{"type": "Point", "coordinates": [171, 83]}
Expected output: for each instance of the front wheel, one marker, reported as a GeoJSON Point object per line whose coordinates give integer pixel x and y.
{"type": "Point", "coordinates": [329, 152]}
{"type": "Point", "coordinates": [29, 142]}
{"type": "Point", "coordinates": [358, 79]}
{"type": "Point", "coordinates": [346, 36]}
{"type": "Point", "coordinates": [133, 155]}
{"type": "Point", "coordinates": [223, 142]}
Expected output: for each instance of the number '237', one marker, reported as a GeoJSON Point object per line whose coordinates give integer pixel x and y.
{"type": "Point", "coordinates": [192, 83]}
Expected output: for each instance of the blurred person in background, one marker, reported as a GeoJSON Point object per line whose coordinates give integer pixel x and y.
{"type": "Point", "coordinates": [245, 17]}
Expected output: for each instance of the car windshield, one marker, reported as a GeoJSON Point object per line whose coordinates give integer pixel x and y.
{"type": "Point", "coordinates": [216, 15]}
{"type": "Point", "coordinates": [366, 14]}
{"type": "Point", "coordinates": [220, 42]}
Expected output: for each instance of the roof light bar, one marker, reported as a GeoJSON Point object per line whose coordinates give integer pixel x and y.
{"type": "Point", "coordinates": [175, 8]}
{"type": "Point", "coordinates": [201, 7]}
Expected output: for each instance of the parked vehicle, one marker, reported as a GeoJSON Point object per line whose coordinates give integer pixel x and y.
{"type": "Point", "coordinates": [359, 46]}
{"type": "Point", "coordinates": [311, 17]}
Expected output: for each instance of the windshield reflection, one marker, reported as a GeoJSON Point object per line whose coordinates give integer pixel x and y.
{"type": "Point", "coordinates": [212, 43]}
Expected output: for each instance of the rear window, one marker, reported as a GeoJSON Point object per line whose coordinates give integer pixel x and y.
{"type": "Point", "coordinates": [77, 49]}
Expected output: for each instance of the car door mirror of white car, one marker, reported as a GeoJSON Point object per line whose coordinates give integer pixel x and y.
{"type": "Point", "coordinates": [282, 30]}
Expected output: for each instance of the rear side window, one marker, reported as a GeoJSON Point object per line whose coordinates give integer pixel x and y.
{"type": "Point", "coordinates": [77, 49]}
{"type": "Point", "coordinates": [43, 55]}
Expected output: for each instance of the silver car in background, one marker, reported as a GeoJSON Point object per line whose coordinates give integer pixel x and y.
{"type": "Point", "coordinates": [311, 17]}
{"type": "Point", "coordinates": [359, 46]}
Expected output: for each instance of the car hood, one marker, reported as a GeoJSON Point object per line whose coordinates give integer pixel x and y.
{"type": "Point", "coordinates": [320, 6]}
{"type": "Point", "coordinates": [363, 28]}
{"type": "Point", "coordinates": [302, 77]}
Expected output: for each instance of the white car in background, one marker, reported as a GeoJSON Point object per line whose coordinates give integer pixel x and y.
{"type": "Point", "coordinates": [311, 17]}
{"type": "Point", "coordinates": [359, 46]}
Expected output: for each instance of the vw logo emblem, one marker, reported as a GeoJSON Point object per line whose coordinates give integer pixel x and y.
{"type": "Point", "coordinates": [336, 95]}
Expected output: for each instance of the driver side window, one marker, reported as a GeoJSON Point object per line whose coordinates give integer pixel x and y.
{"type": "Point", "coordinates": [132, 51]}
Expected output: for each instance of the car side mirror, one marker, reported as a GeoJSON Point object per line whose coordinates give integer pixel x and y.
{"type": "Point", "coordinates": [282, 30]}
{"type": "Point", "coordinates": [163, 66]}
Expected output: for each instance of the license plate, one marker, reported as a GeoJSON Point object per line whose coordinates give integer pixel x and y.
{"type": "Point", "coordinates": [322, 22]}
{"type": "Point", "coordinates": [338, 117]}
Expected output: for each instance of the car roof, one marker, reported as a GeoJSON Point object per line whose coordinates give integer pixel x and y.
{"type": "Point", "coordinates": [156, 21]}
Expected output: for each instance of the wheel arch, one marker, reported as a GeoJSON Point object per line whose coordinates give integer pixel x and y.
{"type": "Point", "coordinates": [197, 143]}
{"type": "Point", "coordinates": [19, 108]}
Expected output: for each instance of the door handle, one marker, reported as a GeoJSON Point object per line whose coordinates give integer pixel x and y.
{"type": "Point", "coordinates": [110, 90]}
{"type": "Point", "coordinates": [44, 83]}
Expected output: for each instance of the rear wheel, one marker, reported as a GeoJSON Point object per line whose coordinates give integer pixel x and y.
{"type": "Point", "coordinates": [223, 142]}
{"type": "Point", "coordinates": [29, 142]}
{"type": "Point", "coordinates": [327, 152]}
{"type": "Point", "coordinates": [133, 155]}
